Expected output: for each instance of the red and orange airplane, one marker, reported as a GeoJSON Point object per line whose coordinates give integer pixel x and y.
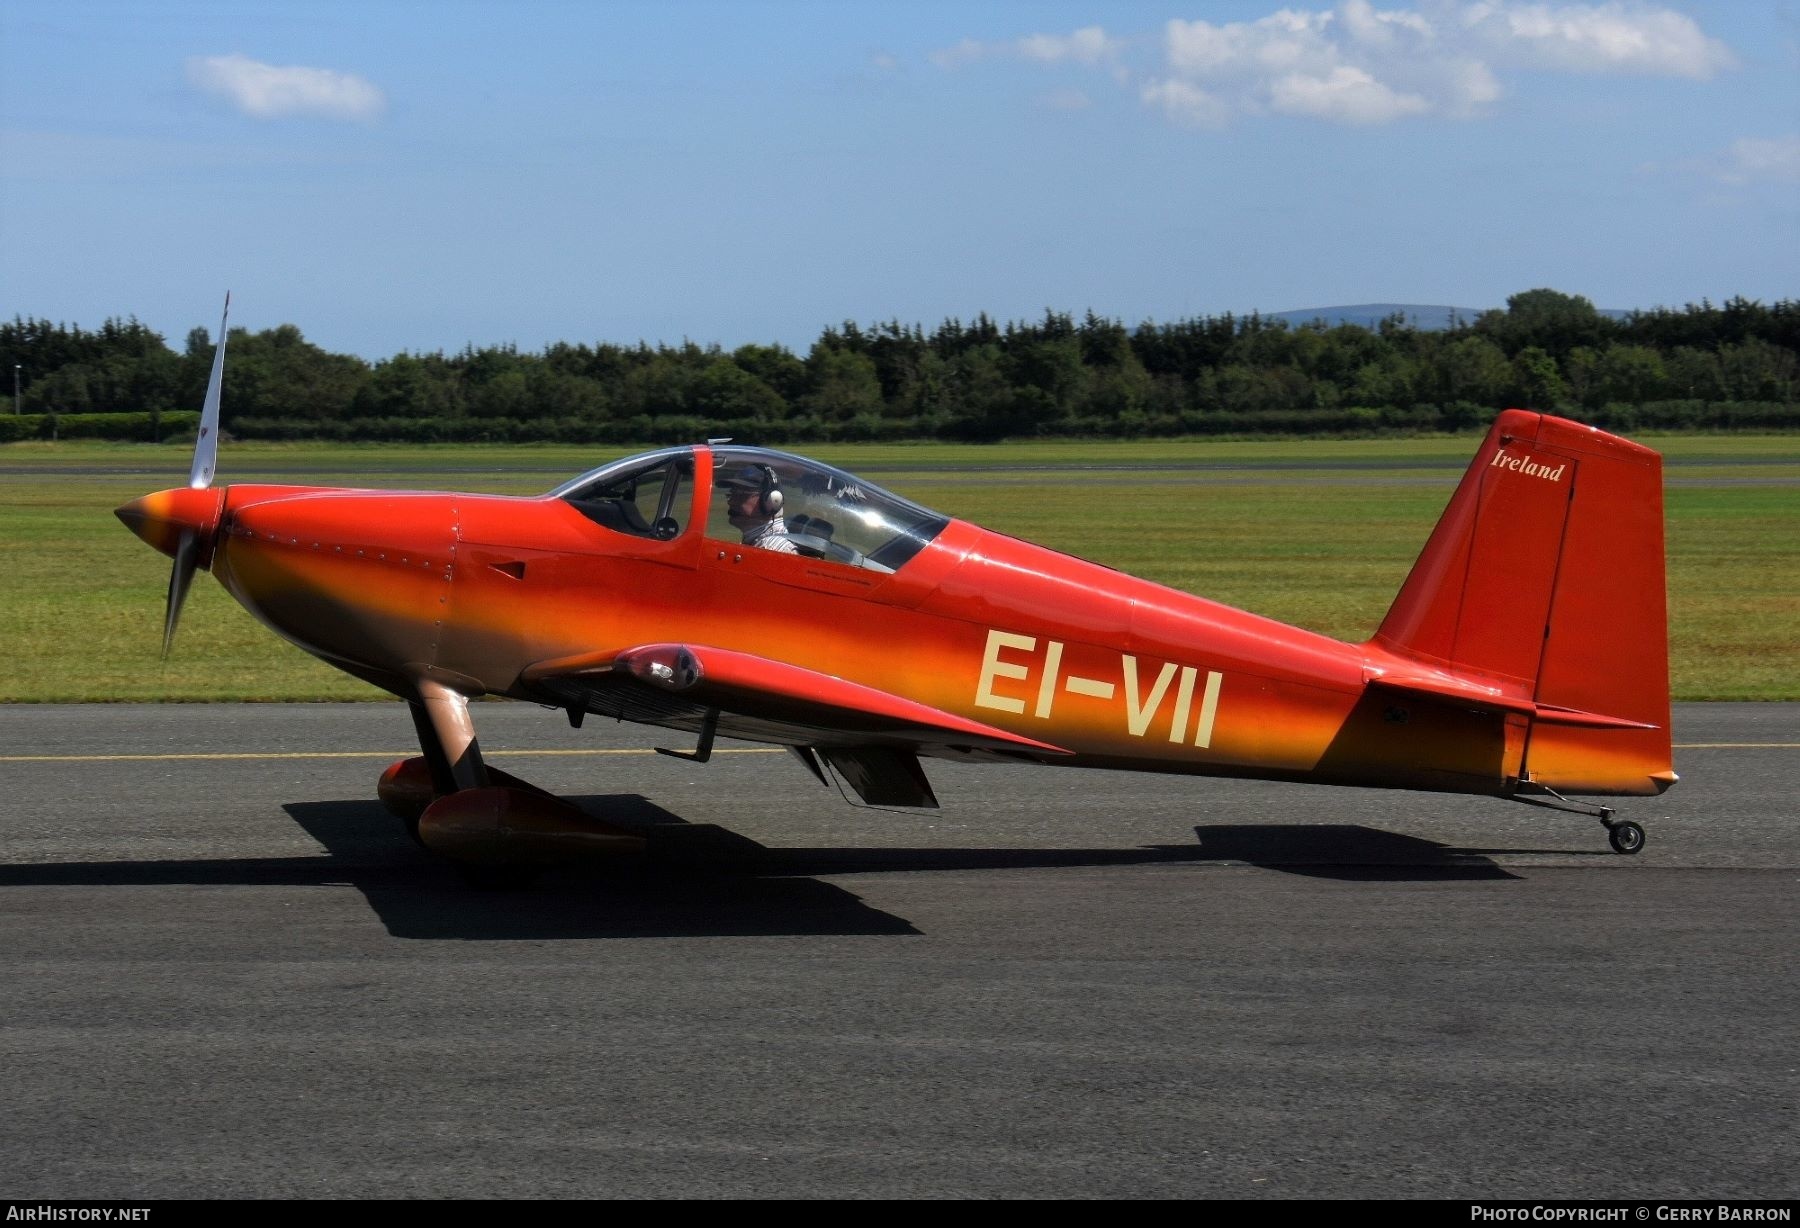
{"type": "Point", "coordinates": [734, 591]}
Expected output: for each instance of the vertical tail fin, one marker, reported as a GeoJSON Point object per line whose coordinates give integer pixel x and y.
{"type": "Point", "coordinates": [1544, 578]}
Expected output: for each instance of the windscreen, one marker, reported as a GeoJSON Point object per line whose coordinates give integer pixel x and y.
{"type": "Point", "coordinates": [800, 506]}
{"type": "Point", "coordinates": [645, 496]}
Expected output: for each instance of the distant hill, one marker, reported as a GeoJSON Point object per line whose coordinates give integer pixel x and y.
{"type": "Point", "coordinates": [1368, 315]}
{"type": "Point", "coordinates": [1426, 316]}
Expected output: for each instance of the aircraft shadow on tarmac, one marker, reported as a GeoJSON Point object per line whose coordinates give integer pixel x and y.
{"type": "Point", "coordinates": [700, 879]}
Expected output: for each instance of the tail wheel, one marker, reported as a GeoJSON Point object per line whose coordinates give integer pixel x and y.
{"type": "Point", "coordinates": [1625, 836]}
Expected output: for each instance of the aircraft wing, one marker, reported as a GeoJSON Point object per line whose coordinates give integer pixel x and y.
{"type": "Point", "coordinates": [872, 737]}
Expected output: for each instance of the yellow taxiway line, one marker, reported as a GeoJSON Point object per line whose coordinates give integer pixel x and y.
{"type": "Point", "coordinates": [1737, 746]}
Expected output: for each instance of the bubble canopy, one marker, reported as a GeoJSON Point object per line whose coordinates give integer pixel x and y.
{"type": "Point", "coordinates": [784, 502]}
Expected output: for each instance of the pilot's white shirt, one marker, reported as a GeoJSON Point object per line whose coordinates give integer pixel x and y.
{"type": "Point", "coordinates": [771, 535]}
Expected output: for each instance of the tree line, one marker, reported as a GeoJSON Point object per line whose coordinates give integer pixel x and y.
{"type": "Point", "coordinates": [1735, 364]}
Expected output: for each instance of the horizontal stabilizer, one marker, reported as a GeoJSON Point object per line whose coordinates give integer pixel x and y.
{"type": "Point", "coordinates": [1484, 698]}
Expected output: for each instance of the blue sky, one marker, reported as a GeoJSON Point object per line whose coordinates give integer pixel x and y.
{"type": "Point", "coordinates": [423, 176]}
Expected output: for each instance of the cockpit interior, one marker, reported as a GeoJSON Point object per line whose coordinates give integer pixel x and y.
{"type": "Point", "coordinates": [759, 497]}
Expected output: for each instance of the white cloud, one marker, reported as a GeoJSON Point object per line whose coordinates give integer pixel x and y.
{"type": "Point", "coordinates": [1466, 86]}
{"type": "Point", "coordinates": [1186, 104]}
{"type": "Point", "coordinates": [1377, 29]}
{"type": "Point", "coordinates": [268, 91]}
{"type": "Point", "coordinates": [1352, 65]}
{"type": "Point", "coordinates": [1347, 95]}
{"type": "Point", "coordinates": [1286, 41]}
{"type": "Point", "coordinates": [1761, 160]}
{"type": "Point", "coordinates": [967, 51]}
{"type": "Point", "coordinates": [1359, 64]}
{"type": "Point", "coordinates": [1598, 38]}
{"type": "Point", "coordinates": [1089, 45]}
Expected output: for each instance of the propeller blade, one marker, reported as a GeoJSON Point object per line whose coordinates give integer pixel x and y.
{"type": "Point", "coordinates": [181, 576]}
{"type": "Point", "coordinates": [151, 517]}
{"type": "Point", "coordinates": [206, 444]}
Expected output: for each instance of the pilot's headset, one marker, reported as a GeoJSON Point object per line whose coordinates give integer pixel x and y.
{"type": "Point", "coordinates": [768, 501]}
{"type": "Point", "coordinates": [762, 479]}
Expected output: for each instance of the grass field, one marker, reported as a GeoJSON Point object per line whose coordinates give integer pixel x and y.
{"type": "Point", "coordinates": [1314, 532]}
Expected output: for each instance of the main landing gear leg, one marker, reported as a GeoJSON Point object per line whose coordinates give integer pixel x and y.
{"type": "Point", "coordinates": [1624, 835]}
{"type": "Point", "coordinates": [501, 832]}
{"type": "Point", "coordinates": [451, 758]}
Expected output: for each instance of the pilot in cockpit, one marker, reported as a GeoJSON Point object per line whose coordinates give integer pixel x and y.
{"type": "Point", "coordinates": [753, 505]}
